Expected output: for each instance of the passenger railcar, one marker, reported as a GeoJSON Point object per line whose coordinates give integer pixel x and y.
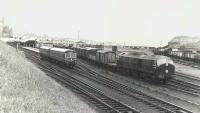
{"type": "Point", "coordinates": [153, 67]}
{"type": "Point", "coordinates": [60, 55]}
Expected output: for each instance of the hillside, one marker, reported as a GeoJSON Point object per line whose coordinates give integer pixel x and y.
{"type": "Point", "coordinates": [184, 42]}
{"type": "Point", "coordinates": [26, 89]}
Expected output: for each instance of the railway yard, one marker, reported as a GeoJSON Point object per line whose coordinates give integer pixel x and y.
{"type": "Point", "coordinates": [114, 92]}
{"type": "Point", "coordinates": [99, 56]}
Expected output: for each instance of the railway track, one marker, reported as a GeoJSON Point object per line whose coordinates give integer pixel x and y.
{"type": "Point", "coordinates": [160, 105]}
{"type": "Point", "coordinates": [87, 91]}
{"type": "Point", "coordinates": [157, 104]}
{"type": "Point", "coordinates": [182, 86]}
{"type": "Point", "coordinates": [185, 83]}
{"type": "Point", "coordinates": [187, 63]}
{"type": "Point", "coordinates": [187, 76]}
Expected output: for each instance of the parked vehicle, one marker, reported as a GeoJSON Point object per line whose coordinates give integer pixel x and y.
{"type": "Point", "coordinates": [141, 64]}
{"type": "Point", "coordinates": [153, 67]}
{"type": "Point", "coordinates": [63, 56]}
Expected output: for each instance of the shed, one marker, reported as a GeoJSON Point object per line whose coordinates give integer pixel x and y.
{"type": "Point", "coordinates": [29, 42]}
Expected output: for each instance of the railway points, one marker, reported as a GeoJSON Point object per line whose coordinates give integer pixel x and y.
{"type": "Point", "coordinates": [25, 88]}
{"type": "Point", "coordinates": [114, 56]}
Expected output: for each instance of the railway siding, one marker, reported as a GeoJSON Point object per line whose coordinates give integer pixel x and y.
{"type": "Point", "coordinates": [87, 91]}
{"type": "Point", "coordinates": [189, 71]}
{"type": "Point", "coordinates": [26, 89]}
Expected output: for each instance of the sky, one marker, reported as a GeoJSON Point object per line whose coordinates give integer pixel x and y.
{"type": "Point", "coordinates": [133, 22]}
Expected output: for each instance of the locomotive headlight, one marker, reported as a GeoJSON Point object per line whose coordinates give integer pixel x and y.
{"type": "Point", "coordinates": [166, 64]}
{"type": "Point", "coordinates": [166, 71]}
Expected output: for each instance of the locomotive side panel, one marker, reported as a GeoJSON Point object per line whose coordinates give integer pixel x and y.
{"type": "Point", "coordinates": [44, 52]}
{"type": "Point", "coordinates": [156, 68]}
{"type": "Point", "coordinates": [60, 56]}
{"type": "Point", "coordinates": [64, 56]}
{"type": "Point", "coordinates": [148, 65]}
{"type": "Point", "coordinates": [128, 63]}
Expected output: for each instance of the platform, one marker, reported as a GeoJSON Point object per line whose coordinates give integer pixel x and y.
{"type": "Point", "coordinates": [32, 49]}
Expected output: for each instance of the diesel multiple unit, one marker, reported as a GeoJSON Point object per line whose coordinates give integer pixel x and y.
{"type": "Point", "coordinates": [148, 66]}
{"type": "Point", "coordinates": [60, 55]}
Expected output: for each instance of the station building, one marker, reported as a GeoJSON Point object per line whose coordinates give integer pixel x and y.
{"type": "Point", "coordinates": [30, 42]}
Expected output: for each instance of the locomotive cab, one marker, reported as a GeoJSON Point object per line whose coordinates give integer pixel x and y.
{"type": "Point", "coordinates": [70, 58]}
{"type": "Point", "coordinates": [165, 69]}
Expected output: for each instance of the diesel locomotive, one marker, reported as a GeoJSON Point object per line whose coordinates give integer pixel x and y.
{"type": "Point", "coordinates": [153, 67]}
{"type": "Point", "coordinates": [63, 56]}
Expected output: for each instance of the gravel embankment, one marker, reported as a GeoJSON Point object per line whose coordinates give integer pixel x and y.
{"type": "Point", "coordinates": [26, 89]}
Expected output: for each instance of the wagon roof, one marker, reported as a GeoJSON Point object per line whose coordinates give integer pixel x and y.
{"type": "Point", "coordinates": [136, 53]}
{"type": "Point", "coordinates": [45, 47]}
{"type": "Point", "coordinates": [89, 48]}
{"type": "Point", "coordinates": [105, 51]}
{"type": "Point", "coordinates": [60, 49]}
{"type": "Point", "coordinates": [150, 57]}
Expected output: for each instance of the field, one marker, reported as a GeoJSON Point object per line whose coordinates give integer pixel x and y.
{"type": "Point", "coordinates": [26, 89]}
